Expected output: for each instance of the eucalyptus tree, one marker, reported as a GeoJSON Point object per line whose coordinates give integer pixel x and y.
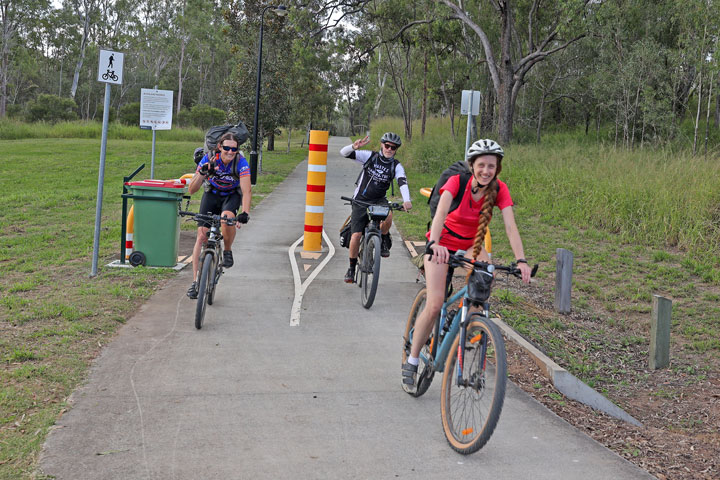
{"type": "Point", "coordinates": [647, 66]}
{"type": "Point", "coordinates": [153, 39]}
{"type": "Point", "coordinates": [529, 31]}
{"type": "Point", "coordinates": [14, 17]}
{"type": "Point", "coordinates": [85, 10]}
{"type": "Point", "coordinates": [313, 82]}
{"type": "Point", "coordinates": [244, 27]}
{"type": "Point", "coordinates": [193, 31]}
{"type": "Point", "coordinates": [396, 38]}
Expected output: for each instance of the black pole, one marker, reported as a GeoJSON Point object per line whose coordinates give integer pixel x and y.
{"type": "Point", "coordinates": [123, 223]}
{"type": "Point", "coordinates": [254, 152]}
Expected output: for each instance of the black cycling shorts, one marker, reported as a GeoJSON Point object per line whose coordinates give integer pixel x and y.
{"type": "Point", "coordinates": [215, 204]}
{"type": "Point", "coordinates": [359, 217]}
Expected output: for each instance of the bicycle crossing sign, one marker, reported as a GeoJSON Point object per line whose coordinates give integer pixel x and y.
{"type": "Point", "coordinates": [110, 67]}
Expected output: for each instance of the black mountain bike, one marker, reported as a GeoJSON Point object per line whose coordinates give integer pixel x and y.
{"type": "Point", "coordinates": [368, 272]}
{"type": "Point", "coordinates": [211, 264]}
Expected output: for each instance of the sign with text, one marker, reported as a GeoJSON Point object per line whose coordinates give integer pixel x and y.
{"type": "Point", "coordinates": [470, 98]}
{"type": "Point", "coordinates": [156, 107]}
{"type": "Point", "coordinates": [110, 67]}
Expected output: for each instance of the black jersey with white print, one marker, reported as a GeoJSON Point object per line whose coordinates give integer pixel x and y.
{"type": "Point", "coordinates": [377, 174]}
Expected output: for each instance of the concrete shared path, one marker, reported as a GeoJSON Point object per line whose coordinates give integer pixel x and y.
{"type": "Point", "coordinates": [251, 397]}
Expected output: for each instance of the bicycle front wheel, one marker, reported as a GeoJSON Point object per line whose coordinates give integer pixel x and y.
{"type": "Point", "coordinates": [370, 271]}
{"type": "Point", "coordinates": [425, 373]}
{"type": "Point", "coordinates": [471, 407]}
{"type": "Point", "coordinates": [217, 271]}
{"type": "Point", "coordinates": [204, 289]}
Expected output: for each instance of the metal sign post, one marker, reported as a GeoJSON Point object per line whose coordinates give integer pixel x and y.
{"type": "Point", "coordinates": [156, 108]}
{"type": "Point", "coordinates": [469, 105]}
{"type": "Point", "coordinates": [110, 70]}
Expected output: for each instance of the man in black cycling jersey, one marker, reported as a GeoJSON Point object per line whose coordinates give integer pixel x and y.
{"type": "Point", "coordinates": [379, 170]}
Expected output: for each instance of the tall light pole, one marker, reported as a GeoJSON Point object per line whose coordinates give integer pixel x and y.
{"type": "Point", "coordinates": [281, 11]}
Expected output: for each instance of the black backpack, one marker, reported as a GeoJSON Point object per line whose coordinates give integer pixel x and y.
{"type": "Point", "coordinates": [212, 136]}
{"type": "Point", "coordinates": [457, 168]}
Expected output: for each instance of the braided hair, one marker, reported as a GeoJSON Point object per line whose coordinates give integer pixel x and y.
{"type": "Point", "coordinates": [491, 192]}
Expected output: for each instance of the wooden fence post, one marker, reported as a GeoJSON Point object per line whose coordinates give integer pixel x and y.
{"type": "Point", "coordinates": [660, 332]}
{"type": "Point", "coordinates": [563, 280]}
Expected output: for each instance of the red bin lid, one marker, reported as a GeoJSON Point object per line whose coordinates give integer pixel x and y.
{"type": "Point", "coordinates": [158, 183]}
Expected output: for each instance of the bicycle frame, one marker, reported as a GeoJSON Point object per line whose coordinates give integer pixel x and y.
{"type": "Point", "coordinates": [439, 353]}
{"type": "Point", "coordinates": [213, 243]}
{"type": "Point", "coordinates": [371, 229]}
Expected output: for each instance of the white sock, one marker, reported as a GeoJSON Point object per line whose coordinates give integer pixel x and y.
{"type": "Point", "coordinates": [413, 360]}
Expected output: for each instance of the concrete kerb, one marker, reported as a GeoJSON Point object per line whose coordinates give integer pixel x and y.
{"type": "Point", "coordinates": [566, 383]}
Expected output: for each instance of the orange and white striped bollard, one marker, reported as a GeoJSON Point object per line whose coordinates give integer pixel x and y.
{"type": "Point", "coordinates": [315, 197]}
{"type": "Point", "coordinates": [129, 230]}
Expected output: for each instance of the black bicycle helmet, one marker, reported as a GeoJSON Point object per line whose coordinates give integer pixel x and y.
{"type": "Point", "coordinates": [392, 138]}
{"type": "Point", "coordinates": [484, 147]}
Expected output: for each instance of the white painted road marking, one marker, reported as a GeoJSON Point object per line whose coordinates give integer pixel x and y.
{"type": "Point", "coordinates": [300, 288]}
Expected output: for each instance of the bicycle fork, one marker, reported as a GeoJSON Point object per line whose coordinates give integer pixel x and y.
{"type": "Point", "coordinates": [483, 344]}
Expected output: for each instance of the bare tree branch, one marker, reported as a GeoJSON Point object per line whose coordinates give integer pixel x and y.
{"type": "Point", "coordinates": [396, 36]}
{"type": "Point", "coordinates": [538, 55]}
{"type": "Point", "coordinates": [462, 16]}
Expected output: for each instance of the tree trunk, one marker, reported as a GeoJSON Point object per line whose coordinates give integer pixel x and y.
{"type": "Point", "coordinates": [697, 116]}
{"type": "Point", "coordinates": [351, 111]}
{"type": "Point", "coordinates": [83, 45]}
{"type": "Point", "coordinates": [487, 118]}
{"type": "Point", "coordinates": [442, 86]}
{"type": "Point", "coordinates": [423, 114]}
{"type": "Point", "coordinates": [180, 77]}
{"type": "Point", "coordinates": [4, 79]}
{"type": "Point", "coordinates": [381, 86]}
{"type": "Point", "coordinates": [408, 119]}
{"type": "Point", "coordinates": [289, 135]}
{"type": "Point", "coordinates": [717, 105]}
{"type": "Point", "coordinates": [635, 113]}
{"type": "Point", "coordinates": [540, 117]}
{"type": "Point", "coordinates": [506, 77]}
{"type": "Point", "coordinates": [586, 114]}
{"type": "Point", "coordinates": [707, 118]}
{"type": "Point", "coordinates": [8, 32]}
{"type": "Point", "coordinates": [505, 113]}
{"type": "Point", "coordinates": [452, 119]}
{"type": "Point", "coordinates": [271, 141]}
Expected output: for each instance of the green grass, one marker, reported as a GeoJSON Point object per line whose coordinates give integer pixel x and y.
{"type": "Point", "coordinates": [53, 317]}
{"type": "Point", "coordinates": [14, 130]}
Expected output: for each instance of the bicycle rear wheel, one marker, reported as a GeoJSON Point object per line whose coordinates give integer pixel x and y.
{"type": "Point", "coordinates": [204, 288]}
{"type": "Point", "coordinates": [470, 411]}
{"type": "Point", "coordinates": [370, 271]}
{"type": "Point", "coordinates": [425, 373]}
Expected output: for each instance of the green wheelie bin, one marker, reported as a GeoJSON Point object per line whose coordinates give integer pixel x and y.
{"type": "Point", "coordinates": [157, 222]}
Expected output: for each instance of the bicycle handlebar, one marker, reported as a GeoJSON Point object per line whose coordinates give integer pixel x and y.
{"type": "Point", "coordinates": [456, 260]}
{"type": "Point", "coordinates": [392, 205]}
{"type": "Point", "coordinates": [209, 218]}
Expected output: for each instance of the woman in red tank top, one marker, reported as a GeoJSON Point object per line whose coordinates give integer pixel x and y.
{"type": "Point", "coordinates": [463, 229]}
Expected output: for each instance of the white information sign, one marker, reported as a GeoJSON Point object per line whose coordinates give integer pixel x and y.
{"type": "Point", "coordinates": [156, 107]}
{"type": "Point", "coordinates": [465, 103]}
{"type": "Point", "coordinates": [110, 67]}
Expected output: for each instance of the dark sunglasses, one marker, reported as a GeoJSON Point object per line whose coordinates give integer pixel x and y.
{"type": "Point", "coordinates": [229, 149]}
{"type": "Point", "coordinates": [390, 146]}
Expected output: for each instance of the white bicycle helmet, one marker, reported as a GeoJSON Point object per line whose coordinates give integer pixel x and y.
{"type": "Point", "coordinates": [392, 138]}
{"type": "Point", "coordinates": [484, 147]}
